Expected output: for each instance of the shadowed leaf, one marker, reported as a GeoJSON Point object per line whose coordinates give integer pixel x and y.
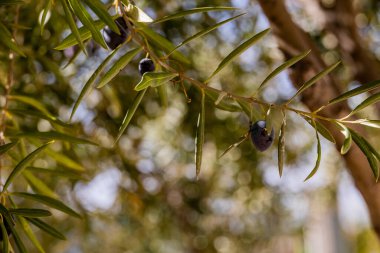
{"type": "Point", "coordinates": [200, 137]}
{"type": "Point", "coordinates": [361, 89]}
{"type": "Point", "coordinates": [46, 228]}
{"type": "Point", "coordinates": [319, 154]}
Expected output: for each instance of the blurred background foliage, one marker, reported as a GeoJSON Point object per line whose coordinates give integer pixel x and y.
{"type": "Point", "coordinates": [141, 195]}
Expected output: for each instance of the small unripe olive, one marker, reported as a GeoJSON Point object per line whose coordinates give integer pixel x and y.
{"type": "Point", "coordinates": [260, 136]}
{"type": "Point", "coordinates": [146, 65]}
{"type": "Point", "coordinates": [112, 39]}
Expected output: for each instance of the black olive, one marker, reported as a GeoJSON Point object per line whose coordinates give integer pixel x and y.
{"type": "Point", "coordinates": [259, 135]}
{"type": "Point", "coordinates": [112, 39]}
{"type": "Point", "coordinates": [146, 65]}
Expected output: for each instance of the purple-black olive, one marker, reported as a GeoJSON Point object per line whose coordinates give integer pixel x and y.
{"type": "Point", "coordinates": [260, 136]}
{"type": "Point", "coordinates": [146, 65]}
{"type": "Point", "coordinates": [112, 39]}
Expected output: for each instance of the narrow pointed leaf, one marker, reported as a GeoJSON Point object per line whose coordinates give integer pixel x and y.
{"type": "Point", "coordinates": [205, 31]}
{"type": "Point", "coordinates": [239, 50]}
{"type": "Point", "coordinates": [7, 40]}
{"type": "Point", "coordinates": [6, 215]}
{"type": "Point", "coordinates": [361, 89]}
{"type": "Point", "coordinates": [281, 147]}
{"type": "Point", "coordinates": [118, 66]}
{"type": "Point", "coordinates": [4, 148]}
{"type": "Point", "coordinates": [131, 111]}
{"type": "Point", "coordinates": [319, 154]}
{"type": "Point", "coordinates": [44, 14]}
{"type": "Point", "coordinates": [83, 34]}
{"type": "Point", "coordinates": [321, 129]}
{"type": "Point", "coordinates": [237, 144]}
{"type": "Point", "coordinates": [30, 212]}
{"type": "Point", "coordinates": [46, 228]}
{"type": "Point", "coordinates": [161, 42]}
{"type": "Point", "coordinates": [89, 84]}
{"type": "Point", "coordinates": [5, 243]}
{"type": "Point", "coordinates": [315, 79]}
{"type": "Point", "coordinates": [38, 185]}
{"type": "Point", "coordinates": [76, 37]}
{"type": "Point", "coordinates": [23, 163]}
{"type": "Point", "coordinates": [51, 135]}
{"type": "Point", "coordinates": [367, 150]}
{"type": "Point", "coordinates": [200, 138]}
{"type": "Point", "coordinates": [154, 79]}
{"type": "Point", "coordinates": [54, 203]}
{"type": "Point", "coordinates": [32, 102]}
{"type": "Point", "coordinates": [284, 66]}
{"type": "Point", "coordinates": [87, 21]}
{"type": "Point", "coordinates": [100, 10]}
{"type": "Point", "coordinates": [163, 94]}
{"type": "Point", "coordinates": [193, 11]}
{"type": "Point", "coordinates": [57, 172]}
{"type": "Point", "coordinates": [30, 234]}
{"type": "Point", "coordinates": [347, 138]}
{"type": "Point", "coordinates": [64, 160]}
{"type": "Point", "coordinates": [369, 101]}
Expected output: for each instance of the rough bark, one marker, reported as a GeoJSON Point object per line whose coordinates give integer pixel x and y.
{"type": "Point", "coordinates": [293, 40]}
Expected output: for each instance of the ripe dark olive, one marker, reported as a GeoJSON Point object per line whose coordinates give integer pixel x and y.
{"type": "Point", "coordinates": [113, 39]}
{"type": "Point", "coordinates": [146, 65]}
{"type": "Point", "coordinates": [260, 137]}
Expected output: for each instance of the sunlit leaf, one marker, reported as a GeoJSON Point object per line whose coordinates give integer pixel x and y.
{"type": "Point", "coordinates": [321, 129]}
{"type": "Point", "coordinates": [315, 79]}
{"type": "Point", "coordinates": [30, 212]}
{"type": "Point", "coordinates": [281, 147]}
{"type": "Point", "coordinates": [370, 123]}
{"type": "Point", "coordinates": [162, 92]}
{"type": "Point", "coordinates": [4, 148]}
{"type": "Point", "coordinates": [161, 42]}
{"type": "Point", "coordinates": [87, 21]}
{"type": "Point", "coordinates": [319, 153]}
{"type": "Point", "coordinates": [89, 84]}
{"type": "Point", "coordinates": [44, 14]}
{"type": "Point", "coordinates": [51, 135]}
{"type": "Point", "coordinates": [29, 232]}
{"type": "Point", "coordinates": [369, 101]}
{"type": "Point", "coordinates": [200, 137]}
{"type": "Point", "coordinates": [76, 36]}
{"type": "Point", "coordinates": [64, 160]}
{"type": "Point", "coordinates": [57, 172]}
{"type": "Point", "coordinates": [347, 138]}
{"type": "Point", "coordinates": [117, 67]}
{"type": "Point", "coordinates": [154, 79]}
{"type": "Point", "coordinates": [131, 111]}
{"type": "Point", "coordinates": [367, 150]}
{"type": "Point", "coordinates": [137, 14]}
{"type": "Point", "coordinates": [46, 228]}
{"type": "Point", "coordinates": [54, 203]}
{"type": "Point", "coordinates": [361, 89]}
{"type": "Point", "coordinates": [83, 34]}
{"type": "Point", "coordinates": [101, 11]}
{"type": "Point", "coordinates": [7, 40]}
{"type": "Point", "coordinates": [284, 66]}
{"type": "Point", "coordinates": [193, 11]}
{"type": "Point", "coordinates": [23, 163]}
{"type": "Point", "coordinates": [237, 51]}
{"type": "Point", "coordinates": [32, 102]}
{"type": "Point", "coordinates": [38, 185]}
{"type": "Point", "coordinates": [204, 31]}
